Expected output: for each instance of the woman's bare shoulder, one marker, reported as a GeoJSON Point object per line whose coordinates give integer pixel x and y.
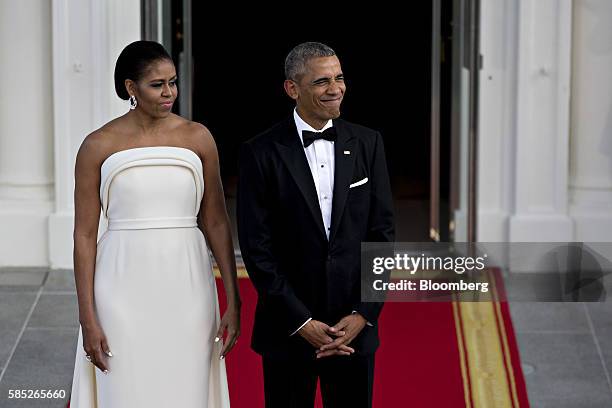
{"type": "Point", "coordinates": [100, 143]}
{"type": "Point", "coordinates": [199, 136]}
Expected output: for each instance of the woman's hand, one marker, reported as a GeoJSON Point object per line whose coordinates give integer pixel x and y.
{"type": "Point", "coordinates": [230, 322]}
{"type": "Point", "coordinates": [96, 346]}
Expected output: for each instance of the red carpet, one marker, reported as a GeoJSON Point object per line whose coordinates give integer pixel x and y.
{"type": "Point", "coordinates": [431, 355]}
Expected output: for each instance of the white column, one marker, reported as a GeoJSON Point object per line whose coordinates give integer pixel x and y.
{"type": "Point", "coordinates": [542, 134]}
{"type": "Point", "coordinates": [87, 38]}
{"type": "Point", "coordinates": [591, 121]}
{"type": "Point", "coordinates": [26, 132]}
{"type": "Point", "coordinates": [524, 121]}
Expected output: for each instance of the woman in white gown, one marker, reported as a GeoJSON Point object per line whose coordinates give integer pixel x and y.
{"type": "Point", "coordinates": [151, 334]}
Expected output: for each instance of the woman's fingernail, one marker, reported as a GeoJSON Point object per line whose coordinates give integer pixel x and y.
{"type": "Point", "coordinates": [217, 339]}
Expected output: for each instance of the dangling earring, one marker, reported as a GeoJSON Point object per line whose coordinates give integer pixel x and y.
{"type": "Point", "coordinates": [133, 102]}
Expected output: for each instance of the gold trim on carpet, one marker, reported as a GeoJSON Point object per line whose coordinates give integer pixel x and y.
{"type": "Point", "coordinates": [487, 349]}
{"type": "Point", "coordinates": [462, 359]}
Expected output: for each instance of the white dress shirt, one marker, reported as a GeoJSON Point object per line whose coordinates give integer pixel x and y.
{"type": "Point", "coordinates": [320, 155]}
{"type": "Point", "coordinates": [321, 160]}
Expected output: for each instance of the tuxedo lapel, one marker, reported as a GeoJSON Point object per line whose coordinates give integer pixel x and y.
{"type": "Point", "coordinates": [344, 163]}
{"type": "Point", "coordinates": [292, 154]}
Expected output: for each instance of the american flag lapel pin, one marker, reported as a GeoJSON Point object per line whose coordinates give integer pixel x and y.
{"type": "Point", "coordinates": [347, 152]}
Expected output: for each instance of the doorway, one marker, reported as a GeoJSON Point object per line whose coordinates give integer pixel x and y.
{"type": "Point", "coordinates": [231, 75]}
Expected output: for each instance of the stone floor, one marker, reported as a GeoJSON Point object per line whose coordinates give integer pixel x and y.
{"type": "Point", "coordinates": [566, 351]}
{"type": "Point", "coordinates": [38, 333]}
{"type": "Point", "coordinates": [566, 348]}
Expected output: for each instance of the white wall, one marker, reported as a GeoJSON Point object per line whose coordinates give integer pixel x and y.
{"type": "Point", "coordinates": [590, 179]}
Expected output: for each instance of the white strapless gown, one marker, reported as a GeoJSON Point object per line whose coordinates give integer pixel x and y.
{"type": "Point", "coordinates": [155, 292]}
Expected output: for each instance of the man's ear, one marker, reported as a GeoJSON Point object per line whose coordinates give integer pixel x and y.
{"type": "Point", "coordinates": [291, 88]}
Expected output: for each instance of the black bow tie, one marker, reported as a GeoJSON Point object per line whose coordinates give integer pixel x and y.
{"type": "Point", "coordinates": [327, 134]}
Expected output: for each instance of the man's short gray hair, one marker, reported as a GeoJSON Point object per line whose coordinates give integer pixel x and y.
{"type": "Point", "coordinates": [295, 63]}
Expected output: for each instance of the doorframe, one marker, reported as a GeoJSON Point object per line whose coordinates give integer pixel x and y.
{"type": "Point", "coordinates": [475, 65]}
{"type": "Point", "coordinates": [466, 17]}
{"type": "Point", "coordinates": [434, 186]}
{"type": "Point", "coordinates": [156, 26]}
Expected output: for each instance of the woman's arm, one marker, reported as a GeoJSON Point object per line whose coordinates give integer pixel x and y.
{"type": "Point", "coordinates": [214, 222]}
{"type": "Point", "coordinates": [86, 218]}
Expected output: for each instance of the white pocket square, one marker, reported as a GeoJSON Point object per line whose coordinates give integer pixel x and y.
{"type": "Point", "coordinates": [358, 183]}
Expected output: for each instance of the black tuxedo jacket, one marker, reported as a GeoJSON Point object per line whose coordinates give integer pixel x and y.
{"type": "Point", "coordinates": [297, 271]}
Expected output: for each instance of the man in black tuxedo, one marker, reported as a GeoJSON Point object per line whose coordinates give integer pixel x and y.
{"type": "Point", "coordinates": [311, 189]}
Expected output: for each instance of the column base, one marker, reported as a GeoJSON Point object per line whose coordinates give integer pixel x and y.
{"type": "Point", "coordinates": [23, 238]}
{"type": "Point", "coordinates": [541, 228]}
{"type": "Point", "coordinates": [492, 226]}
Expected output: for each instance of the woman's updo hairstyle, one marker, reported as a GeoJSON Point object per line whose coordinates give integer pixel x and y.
{"type": "Point", "coordinates": [134, 61]}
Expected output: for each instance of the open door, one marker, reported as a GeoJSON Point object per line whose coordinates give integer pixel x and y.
{"type": "Point", "coordinates": [455, 63]}
{"type": "Point", "coordinates": [170, 23]}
